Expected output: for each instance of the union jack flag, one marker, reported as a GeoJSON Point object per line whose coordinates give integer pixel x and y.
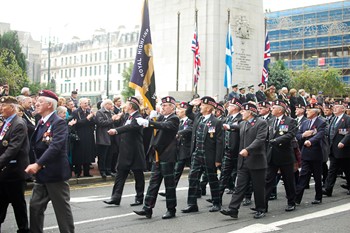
{"type": "Point", "coordinates": [267, 56]}
{"type": "Point", "coordinates": [197, 60]}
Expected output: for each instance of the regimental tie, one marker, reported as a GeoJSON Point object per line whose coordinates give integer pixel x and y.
{"type": "Point", "coordinates": [276, 125]}
{"type": "Point", "coordinates": [332, 128]}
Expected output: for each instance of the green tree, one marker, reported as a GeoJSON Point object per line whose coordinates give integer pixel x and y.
{"type": "Point", "coordinates": [279, 75]}
{"type": "Point", "coordinates": [9, 40]}
{"type": "Point", "coordinates": [11, 73]}
{"type": "Point", "coordinates": [127, 91]}
{"type": "Point", "coordinates": [316, 79]}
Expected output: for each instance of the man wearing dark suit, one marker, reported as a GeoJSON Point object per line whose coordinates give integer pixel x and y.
{"type": "Point", "coordinates": [51, 169]}
{"type": "Point", "coordinates": [105, 119]}
{"type": "Point", "coordinates": [242, 95]}
{"type": "Point", "coordinates": [251, 161]}
{"type": "Point", "coordinates": [207, 152]}
{"type": "Point", "coordinates": [14, 158]}
{"type": "Point", "coordinates": [163, 144]}
{"type": "Point", "coordinates": [251, 96]}
{"type": "Point", "coordinates": [264, 109]}
{"type": "Point", "coordinates": [131, 154]}
{"type": "Point", "coordinates": [231, 146]}
{"type": "Point", "coordinates": [260, 94]}
{"type": "Point", "coordinates": [30, 120]}
{"type": "Point", "coordinates": [280, 153]}
{"type": "Point", "coordinates": [302, 97]}
{"type": "Point", "coordinates": [339, 141]}
{"type": "Point", "coordinates": [183, 143]}
{"type": "Point", "coordinates": [310, 135]}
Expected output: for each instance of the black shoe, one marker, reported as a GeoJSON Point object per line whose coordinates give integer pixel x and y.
{"type": "Point", "coordinates": [88, 175]}
{"type": "Point", "coordinates": [103, 175]}
{"type": "Point", "coordinates": [254, 209]}
{"type": "Point", "coordinates": [112, 202]}
{"type": "Point", "coordinates": [113, 174]}
{"type": "Point", "coordinates": [297, 202]}
{"type": "Point", "coordinates": [161, 194]}
{"type": "Point", "coordinates": [209, 200]}
{"type": "Point", "coordinates": [316, 202]}
{"type": "Point", "coordinates": [259, 214]}
{"type": "Point", "coordinates": [290, 208]}
{"type": "Point", "coordinates": [246, 202]}
{"type": "Point", "coordinates": [190, 208]}
{"type": "Point", "coordinates": [215, 208]}
{"type": "Point", "coordinates": [272, 197]}
{"type": "Point", "coordinates": [203, 192]}
{"type": "Point", "coordinates": [136, 203]}
{"type": "Point", "coordinates": [327, 193]}
{"type": "Point", "coordinates": [169, 214]}
{"type": "Point", "coordinates": [144, 212]}
{"type": "Point", "coordinates": [230, 212]}
{"type": "Point", "coordinates": [345, 186]}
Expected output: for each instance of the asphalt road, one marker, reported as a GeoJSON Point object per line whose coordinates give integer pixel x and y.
{"type": "Point", "coordinates": [92, 215]}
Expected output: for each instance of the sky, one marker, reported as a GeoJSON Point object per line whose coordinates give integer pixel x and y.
{"type": "Point", "coordinates": [65, 18]}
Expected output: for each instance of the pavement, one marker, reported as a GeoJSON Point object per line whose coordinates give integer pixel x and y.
{"type": "Point", "coordinates": [96, 178]}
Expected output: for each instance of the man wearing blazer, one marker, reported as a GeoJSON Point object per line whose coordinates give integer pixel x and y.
{"type": "Point", "coordinates": [207, 152]}
{"type": "Point", "coordinates": [280, 153]}
{"type": "Point", "coordinates": [14, 158]}
{"type": "Point", "coordinates": [252, 162]}
{"type": "Point", "coordinates": [231, 146]}
{"type": "Point", "coordinates": [131, 153]}
{"type": "Point", "coordinates": [51, 169]}
{"type": "Point", "coordinates": [163, 144]}
{"type": "Point", "coordinates": [310, 135]}
{"type": "Point", "coordinates": [339, 141]}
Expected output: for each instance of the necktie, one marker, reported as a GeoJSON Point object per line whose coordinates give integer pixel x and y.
{"type": "Point", "coordinates": [332, 128]}
{"type": "Point", "coordinates": [276, 125]}
{"type": "Point", "coordinates": [310, 124]}
{"type": "Point", "coordinates": [181, 122]}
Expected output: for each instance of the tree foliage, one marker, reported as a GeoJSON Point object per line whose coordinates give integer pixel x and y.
{"type": "Point", "coordinates": [279, 75]}
{"type": "Point", "coordinates": [316, 79]}
{"type": "Point", "coordinates": [10, 41]}
{"type": "Point", "coordinates": [127, 91]}
{"type": "Point", "coordinates": [11, 73]}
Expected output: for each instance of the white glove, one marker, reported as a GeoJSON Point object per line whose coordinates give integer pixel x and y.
{"type": "Point", "coordinates": [142, 122]}
{"type": "Point", "coordinates": [226, 126]}
{"type": "Point", "coordinates": [153, 114]}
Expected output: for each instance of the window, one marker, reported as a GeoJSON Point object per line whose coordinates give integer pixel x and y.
{"type": "Point", "coordinates": [69, 86]}
{"type": "Point", "coordinates": [118, 68]}
{"type": "Point", "coordinates": [90, 73]}
{"type": "Point", "coordinates": [85, 71]}
{"type": "Point", "coordinates": [74, 72]}
{"type": "Point", "coordinates": [81, 58]}
{"type": "Point", "coordinates": [110, 69]}
{"type": "Point", "coordinates": [95, 56]}
{"type": "Point", "coordinates": [70, 73]}
{"type": "Point", "coordinates": [99, 84]}
{"type": "Point", "coordinates": [90, 57]}
{"type": "Point", "coordinates": [118, 83]}
{"type": "Point", "coordinates": [66, 60]}
{"type": "Point", "coordinates": [124, 66]}
{"type": "Point", "coordinates": [86, 58]}
{"type": "Point", "coordinates": [62, 61]}
{"type": "Point", "coordinates": [81, 86]}
{"type": "Point", "coordinates": [95, 70]}
{"type": "Point", "coordinates": [119, 53]}
{"type": "Point", "coordinates": [131, 52]}
{"type": "Point", "coordinates": [75, 59]}
{"type": "Point", "coordinates": [65, 87]}
{"type": "Point", "coordinates": [95, 85]}
{"type": "Point", "coordinates": [125, 53]}
{"type": "Point", "coordinates": [90, 86]}
{"type": "Point", "coordinates": [70, 60]}
{"type": "Point", "coordinates": [105, 56]}
{"type": "Point", "coordinates": [81, 71]}
{"type": "Point", "coordinates": [105, 69]}
{"type": "Point", "coordinates": [74, 86]}
{"type": "Point", "coordinates": [110, 85]}
{"type": "Point", "coordinates": [86, 86]}
{"type": "Point", "coordinates": [65, 73]}
{"type": "Point", "coordinates": [100, 56]}
{"type": "Point", "coordinates": [61, 73]}
{"type": "Point", "coordinates": [61, 87]}
{"type": "Point", "coordinates": [99, 70]}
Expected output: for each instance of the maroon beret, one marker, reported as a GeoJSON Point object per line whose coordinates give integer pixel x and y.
{"type": "Point", "coordinates": [134, 100]}
{"type": "Point", "coordinates": [236, 102]}
{"type": "Point", "coordinates": [250, 107]}
{"type": "Point", "coordinates": [183, 105]}
{"type": "Point", "coordinates": [168, 99]}
{"type": "Point", "coordinates": [48, 93]}
{"type": "Point", "coordinates": [208, 100]}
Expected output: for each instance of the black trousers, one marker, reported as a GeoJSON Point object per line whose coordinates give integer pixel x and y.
{"type": "Point", "coordinates": [308, 168]}
{"type": "Point", "coordinates": [119, 183]}
{"type": "Point", "coordinates": [245, 176]}
{"type": "Point", "coordinates": [13, 192]}
{"type": "Point", "coordinates": [179, 168]}
{"type": "Point", "coordinates": [287, 172]}
{"type": "Point", "coordinates": [159, 171]}
{"type": "Point", "coordinates": [334, 166]}
{"type": "Point", "coordinates": [228, 173]}
{"type": "Point", "coordinates": [104, 158]}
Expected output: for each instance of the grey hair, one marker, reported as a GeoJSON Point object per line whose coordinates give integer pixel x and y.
{"type": "Point", "coordinates": [106, 101]}
{"type": "Point", "coordinates": [61, 109]}
{"type": "Point", "coordinates": [24, 90]}
{"type": "Point", "coordinates": [52, 101]}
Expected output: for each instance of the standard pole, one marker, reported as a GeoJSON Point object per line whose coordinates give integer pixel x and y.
{"type": "Point", "coordinates": [107, 91]}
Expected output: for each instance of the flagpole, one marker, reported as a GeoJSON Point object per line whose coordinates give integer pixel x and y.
{"type": "Point", "coordinates": [178, 51]}
{"type": "Point", "coordinates": [265, 23]}
{"type": "Point", "coordinates": [228, 23]}
{"type": "Point", "coordinates": [196, 21]}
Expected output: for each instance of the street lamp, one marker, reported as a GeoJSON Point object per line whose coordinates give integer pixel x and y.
{"type": "Point", "coordinates": [107, 91]}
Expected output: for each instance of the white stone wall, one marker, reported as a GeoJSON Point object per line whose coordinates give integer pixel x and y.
{"type": "Point", "coordinates": [212, 29]}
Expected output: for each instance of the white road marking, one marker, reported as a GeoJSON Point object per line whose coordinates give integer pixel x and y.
{"type": "Point", "coordinates": [257, 228]}
{"type": "Point", "coordinates": [101, 198]}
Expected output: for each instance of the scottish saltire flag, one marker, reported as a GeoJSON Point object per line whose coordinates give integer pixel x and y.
{"type": "Point", "coordinates": [228, 59]}
{"type": "Point", "coordinates": [197, 60]}
{"type": "Point", "coordinates": [267, 56]}
{"type": "Point", "coordinates": [142, 77]}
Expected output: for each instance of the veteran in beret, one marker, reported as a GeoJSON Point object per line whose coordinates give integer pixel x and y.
{"type": "Point", "coordinates": [51, 168]}
{"type": "Point", "coordinates": [14, 158]}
